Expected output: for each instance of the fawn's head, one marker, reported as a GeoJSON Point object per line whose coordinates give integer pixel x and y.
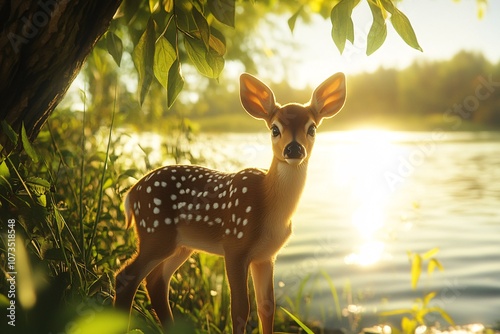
{"type": "Point", "coordinates": [293, 126]}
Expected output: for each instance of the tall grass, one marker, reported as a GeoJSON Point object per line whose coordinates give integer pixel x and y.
{"type": "Point", "coordinates": [65, 194]}
{"type": "Point", "coordinates": [68, 207]}
{"type": "Point", "coordinates": [70, 221]}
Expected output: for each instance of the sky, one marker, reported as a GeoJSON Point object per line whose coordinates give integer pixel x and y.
{"type": "Point", "coordinates": [443, 28]}
{"type": "Point", "coordinates": [308, 55]}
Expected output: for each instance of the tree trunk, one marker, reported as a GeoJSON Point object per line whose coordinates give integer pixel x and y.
{"type": "Point", "coordinates": [43, 45]}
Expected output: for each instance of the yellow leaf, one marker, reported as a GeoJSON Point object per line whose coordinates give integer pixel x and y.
{"type": "Point", "coordinates": [431, 253]}
{"type": "Point", "coordinates": [416, 270]}
{"type": "Point", "coordinates": [433, 264]}
{"type": "Point", "coordinates": [428, 298]}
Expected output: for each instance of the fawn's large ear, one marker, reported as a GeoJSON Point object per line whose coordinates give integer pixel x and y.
{"type": "Point", "coordinates": [329, 97]}
{"type": "Point", "coordinates": [257, 99]}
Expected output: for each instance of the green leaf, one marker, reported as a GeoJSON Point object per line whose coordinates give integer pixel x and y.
{"type": "Point", "coordinates": [297, 320]}
{"type": "Point", "coordinates": [168, 5]}
{"type": "Point", "coordinates": [209, 63]}
{"type": "Point", "coordinates": [293, 19]}
{"type": "Point", "coordinates": [38, 182]}
{"type": "Point", "coordinates": [143, 57]}
{"type": "Point", "coordinates": [216, 63]}
{"type": "Point", "coordinates": [115, 46]}
{"type": "Point", "coordinates": [175, 83]}
{"type": "Point", "coordinates": [202, 25]}
{"type": "Point", "coordinates": [9, 131]}
{"type": "Point", "coordinates": [38, 187]}
{"type": "Point", "coordinates": [402, 25]}
{"type": "Point", "coordinates": [108, 183]}
{"type": "Point", "coordinates": [416, 270]}
{"type": "Point", "coordinates": [216, 41]}
{"type": "Point", "coordinates": [60, 222]}
{"type": "Point", "coordinates": [153, 5]}
{"type": "Point", "coordinates": [223, 10]}
{"type": "Point", "coordinates": [342, 25]}
{"type": "Point", "coordinates": [165, 56]}
{"type": "Point", "coordinates": [378, 31]}
{"type": "Point", "coordinates": [218, 44]}
{"type": "Point", "coordinates": [404, 29]}
{"type": "Point", "coordinates": [41, 200]}
{"type": "Point", "coordinates": [30, 151]}
{"type": "Point", "coordinates": [4, 175]}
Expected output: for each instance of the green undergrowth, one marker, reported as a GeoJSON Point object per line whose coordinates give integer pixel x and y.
{"type": "Point", "coordinates": [64, 195]}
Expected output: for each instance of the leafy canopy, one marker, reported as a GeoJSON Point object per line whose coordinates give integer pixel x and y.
{"type": "Point", "coordinates": [168, 33]}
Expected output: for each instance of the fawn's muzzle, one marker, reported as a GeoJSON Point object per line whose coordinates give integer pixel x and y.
{"type": "Point", "coordinates": [294, 151]}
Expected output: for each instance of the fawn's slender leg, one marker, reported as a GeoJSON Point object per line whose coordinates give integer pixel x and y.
{"type": "Point", "coordinates": [129, 278]}
{"type": "Point", "coordinates": [262, 276]}
{"type": "Point", "coordinates": [158, 282]}
{"type": "Point", "coordinates": [237, 275]}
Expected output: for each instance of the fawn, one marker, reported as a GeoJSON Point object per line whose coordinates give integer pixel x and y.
{"type": "Point", "coordinates": [244, 217]}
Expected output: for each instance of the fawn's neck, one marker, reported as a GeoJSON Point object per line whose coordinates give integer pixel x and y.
{"type": "Point", "coordinates": [284, 184]}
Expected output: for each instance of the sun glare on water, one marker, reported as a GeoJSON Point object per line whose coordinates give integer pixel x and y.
{"type": "Point", "coordinates": [367, 155]}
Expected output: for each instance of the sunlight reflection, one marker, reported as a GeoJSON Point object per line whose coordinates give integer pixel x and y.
{"type": "Point", "coordinates": [370, 153]}
{"type": "Point", "coordinates": [369, 253]}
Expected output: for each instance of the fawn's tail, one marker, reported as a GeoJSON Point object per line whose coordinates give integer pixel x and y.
{"type": "Point", "coordinates": [129, 213]}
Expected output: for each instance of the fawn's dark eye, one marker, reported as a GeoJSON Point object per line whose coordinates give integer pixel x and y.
{"type": "Point", "coordinates": [275, 131]}
{"type": "Point", "coordinates": [312, 130]}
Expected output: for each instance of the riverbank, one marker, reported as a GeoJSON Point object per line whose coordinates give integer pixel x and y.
{"type": "Point", "coordinates": [243, 123]}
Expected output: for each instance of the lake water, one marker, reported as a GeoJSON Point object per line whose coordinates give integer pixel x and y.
{"type": "Point", "coordinates": [371, 197]}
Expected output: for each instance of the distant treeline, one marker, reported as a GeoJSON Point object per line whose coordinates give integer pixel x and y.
{"type": "Point", "coordinates": [462, 93]}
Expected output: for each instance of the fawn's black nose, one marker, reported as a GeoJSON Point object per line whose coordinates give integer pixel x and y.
{"type": "Point", "coordinates": [294, 151]}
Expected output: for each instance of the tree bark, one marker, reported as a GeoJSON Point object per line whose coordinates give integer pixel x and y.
{"type": "Point", "coordinates": [43, 45]}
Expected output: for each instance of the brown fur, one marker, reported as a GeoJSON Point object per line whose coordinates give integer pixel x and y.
{"type": "Point", "coordinates": [243, 216]}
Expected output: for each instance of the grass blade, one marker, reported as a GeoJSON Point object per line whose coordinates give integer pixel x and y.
{"type": "Point", "coordinates": [335, 295]}
{"type": "Point", "coordinates": [101, 183]}
{"type": "Point", "coordinates": [82, 172]}
{"type": "Point", "coordinates": [300, 293]}
{"type": "Point", "coordinates": [297, 320]}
